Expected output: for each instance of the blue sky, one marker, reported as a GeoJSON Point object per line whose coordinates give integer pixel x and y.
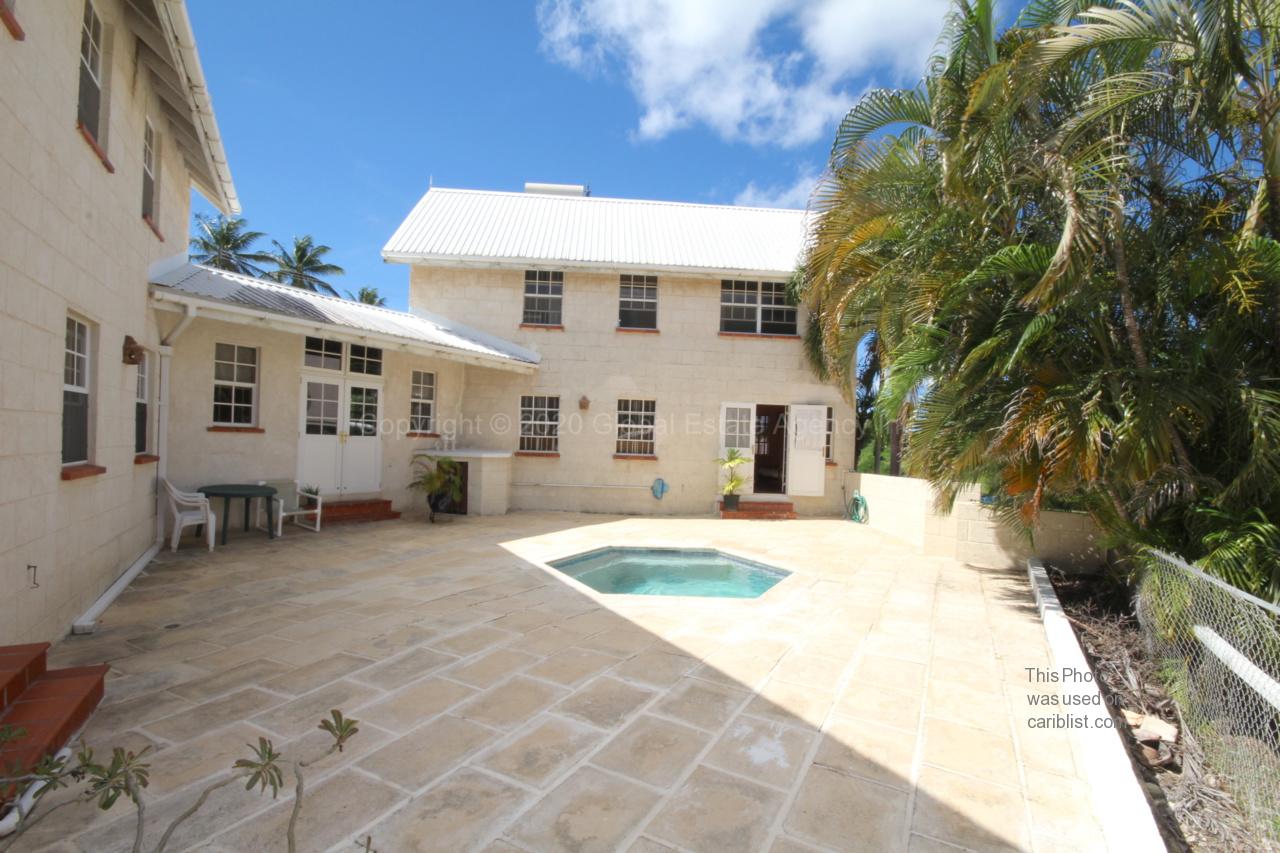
{"type": "Point", "coordinates": [337, 115]}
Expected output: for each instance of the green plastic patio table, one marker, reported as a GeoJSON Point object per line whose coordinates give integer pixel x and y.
{"type": "Point", "coordinates": [249, 492]}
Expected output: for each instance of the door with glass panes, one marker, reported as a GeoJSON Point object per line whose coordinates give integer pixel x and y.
{"type": "Point", "coordinates": [339, 450]}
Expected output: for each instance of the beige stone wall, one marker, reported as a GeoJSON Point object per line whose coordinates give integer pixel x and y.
{"type": "Point", "coordinates": [72, 239]}
{"type": "Point", "coordinates": [689, 369]}
{"type": "Point", "coordinates": [906, 508]}
{"type": "Point", "coordinates": [198, 456]}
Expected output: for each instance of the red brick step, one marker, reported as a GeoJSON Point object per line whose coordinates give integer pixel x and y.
{"type": "Point", "coordinates": [760, 510]}
{"type": "Point", "coordinates": [19, 666]}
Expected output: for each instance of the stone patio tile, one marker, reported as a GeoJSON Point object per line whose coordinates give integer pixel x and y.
{"type": "Point", "coordinates": [411, 705]}
{"type": "Point", "coordinates": [590, 812]}
{"type": "Point", "coordinates": [524, 621]}
{"type": "Point", "coordinates": [572, 666]}
{"type": "Point", "coordinates": [391, 642]}
{"type": "Point", "coordinates": [211, 754]}
{"type": "Point", "coordinates": [138, 711]}
{"type": "Point", "coordinates": [961, 703]}
{"type": "Point", "coordinates": [924, 844]}
{"type": "Point", "coordinates": [399, 671]}
{"type": "Point", "coordinates": [541, 753]}
{"type": "Point", "coordinates": [763, 750]}
{"type": "Point", "coordinates": [888, 672]}
{"type": "Point", "coordinates": [298, 715]}
{"type": "Point", "coordinates": [620, 642]}
{"type": "Point", "coordinates": [848, 813]}
{"type": "Point", "coordinates": [652, 750]}
{"type": "Point", "coordinates": [870, 750]}
{"type": "Point", "coordinates": [1062, 807]}
{"type": "Point", "coordinates": [701, 703]}
{"type": "Point", "coordinates": [655, 668]}
{"type": "Point", "coordinates": [307, 678]}
{"type": "Point", "coordinates": [967, 812]}
{"type": "Point", "coordinates": [648, 845]}
{"type": "Point", "coordinates": [512, 703]}
{"type": "Point", "coordinates": [605, 702]}
{"type": "Point", "coordinates": [178, 653]}
{"type": "Point", "coordinates": [549, 639]}
{"type": "Point", "coordinates": [246, 674]}
{"type": "Point", "coordinates": [793, 704]}
{"type": "Point", "coordinates": [714, 812]}
{"type": "Point", "coordinates": [492, 667]}
{"type": "Point", "coordinates": [471, 641]}
{"type": "Point", "coordinates": [898, 708]}
{"type": "Point", "coordinates": [238, 654]}
{"type": "Point", "coordinates": [213, 714]}
{"type": "Point", "coordinates": [970, 751]}
{"type": "Point", "coordinates": [428, 752]}
{"type": "Point", "coordinates": [120, 687]}
{"type": "Point", "coordinates": [810, 670]}
{"type": "Point", "coordinates": [783, 844]}
{"type": "Point", "coordinates": [332, 812]}
{"type": "Point", "coordinates": [454, 815]}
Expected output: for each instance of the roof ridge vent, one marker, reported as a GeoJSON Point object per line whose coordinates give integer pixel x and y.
{"type": "Point", "coordinates": [579, 190]}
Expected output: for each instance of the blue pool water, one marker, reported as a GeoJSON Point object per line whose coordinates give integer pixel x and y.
{"type": "Point", "coordinates": [670, 571]}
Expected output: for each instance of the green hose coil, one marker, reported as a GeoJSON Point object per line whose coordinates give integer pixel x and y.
{"type": "Point", "coordinates": [858, 508]}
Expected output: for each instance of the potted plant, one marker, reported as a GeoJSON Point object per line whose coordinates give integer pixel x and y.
{"type": "Point", "coordinates": [308, 495]}
{"type": "Point", "coordinates": [440, 479]}
{"type": "Point", "coordinates": [734, 481]}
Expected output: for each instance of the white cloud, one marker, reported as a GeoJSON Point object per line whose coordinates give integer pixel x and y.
{"type": "Point", "coordinates": [794, 195]}
{"type": "Point", "coordinates": [719, 63]}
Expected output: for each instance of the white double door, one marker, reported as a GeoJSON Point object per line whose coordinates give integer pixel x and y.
{"type": "Point", "coordinates": [339, 448]}
{"type": "Point", "coordinates": [804, 459]}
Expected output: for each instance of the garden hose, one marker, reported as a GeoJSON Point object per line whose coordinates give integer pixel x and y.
{"type": "Point", "coordinates": [858, 508]}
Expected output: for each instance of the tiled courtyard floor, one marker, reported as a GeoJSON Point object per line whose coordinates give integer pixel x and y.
{"type": "Point", "coordinates": [871, 701]}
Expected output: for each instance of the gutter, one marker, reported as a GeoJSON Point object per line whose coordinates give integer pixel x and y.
{"type": "Point", "coordinates": [483, 262]}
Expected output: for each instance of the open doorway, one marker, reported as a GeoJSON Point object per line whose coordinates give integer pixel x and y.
{"type": "Point", "coordinates": [771, 450]}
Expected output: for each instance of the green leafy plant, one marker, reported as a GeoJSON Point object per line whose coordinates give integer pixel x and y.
{"type": "Point", "coordinates": [730, 463]}
{"type": "Point", "coordinates": [309, 495]}
{"type": "Point", "coordinates": [125, 776]}
{"type": "Point", "coordinates": [436, 477]}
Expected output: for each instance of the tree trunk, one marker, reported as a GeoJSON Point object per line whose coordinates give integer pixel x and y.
{"type": "Point", "coordinates": [895, 449]}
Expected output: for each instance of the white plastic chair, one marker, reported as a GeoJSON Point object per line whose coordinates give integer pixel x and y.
{"type": "Point", "coordinates": [289, 503]}
{"type": "Point", "coordinates": [190, 509]}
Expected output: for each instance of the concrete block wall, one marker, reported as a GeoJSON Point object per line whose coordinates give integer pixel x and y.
{"type": "Point", "coordinates": [72, 239]}
{"type": "Point", "coordinates": [688, 368]}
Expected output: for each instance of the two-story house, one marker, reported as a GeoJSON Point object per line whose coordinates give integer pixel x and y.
{"type": "Point", "coordinates": [665, 336]}
{"type": "Point", "coordinates": [106, 125]}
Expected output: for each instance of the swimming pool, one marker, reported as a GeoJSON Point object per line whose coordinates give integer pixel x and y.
{"type": "Point", "coordinates": [670, 571]}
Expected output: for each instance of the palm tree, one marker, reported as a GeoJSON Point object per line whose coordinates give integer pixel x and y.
{"type": "Point", "coordinates": [223, 243]}
{"type": "Point", "coordinates": [368, 296]}
{"type": "Point", "coordinates": [303, 264]}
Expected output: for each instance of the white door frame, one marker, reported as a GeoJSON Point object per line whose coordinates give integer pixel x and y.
{"type": "Point", "coordinates": [747, 470]}
{"type": "Point", "coordinates": [341, 481]}
{"type": "Point", "coordinates": [360, 464]}
{"type": "Point", "coordinates": [806, 461]}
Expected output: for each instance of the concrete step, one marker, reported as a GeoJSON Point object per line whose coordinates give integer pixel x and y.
{"type": "Point", "coordinates": [53, 707]}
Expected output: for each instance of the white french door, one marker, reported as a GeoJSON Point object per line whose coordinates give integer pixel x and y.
{"type": "Point", "coordinates": [806, 450]}
{"type": "Point", "coordinates": [339, 450]}
{"type": "Point", "coordinates": [738, 430]}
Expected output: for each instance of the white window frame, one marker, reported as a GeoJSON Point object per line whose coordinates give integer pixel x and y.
{"type": "Point", "coordinates": [637, 427]}
{"type": "Point", "coordinates": [742, 435]}
{"type": "Point", "coordinates": [368, 356]}
{"type": "Point", "coordinates": [76, 373]}
{"type": "Point", "coordinates": [142, 396]}
{"type": "Point", "coordinates": [628, 284]}
{"type": "Point", "coordinates": [539, 423]}
{"type": "Point", "coordinates": [323, 352]}
{"type": "Point", "coordinates": [150, 182]}
{"type": "Point", "coordinates": [236, 382]}
{"type": "Point", "coordinates": [92, 38]}
{"type": "Point", "coordinates": [422, 401]}
{"type": "Point", "coordinates": [761, 299]}
{"type": "Point", "coordinates": [543, 285]}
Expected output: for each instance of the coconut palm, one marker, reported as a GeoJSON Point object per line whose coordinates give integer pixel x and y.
{"type": "Point", "coordinates": [222, 242]}
{"type": "Point", "coordinates": [302, 264]}
{"type": "Point", "coordinates": [367, 296]}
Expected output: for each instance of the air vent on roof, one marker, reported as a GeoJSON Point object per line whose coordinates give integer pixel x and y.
{"type": "Point", "coordinates": [556, 189]}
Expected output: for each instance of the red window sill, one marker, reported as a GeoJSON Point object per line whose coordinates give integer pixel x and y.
{"type": "Point", "coordinates": [831, 463]}
{"type": "Point", "coordinates": [754, 335]}
{"type": "Point", "coordinates": [11, 23]}
{"type": "Point", "coordinates": [544, 454]}
{"type": "Point", "coordinates": [145, 459]}
{"type": "Point", "coordinates": [79, 472]}
{"type": "Point", "coordinates": [625, 330]}
{"type": "Point", "coordinates": [635, 457]}
{"type": "Point", "coordinates": [155, 229]}
{"type": "Point", "coordinates": [97, 149]}
{"type": "Point", "coordinates": [544, 326]}
{"type": "Point", "coordinates": [422, 435]}
{"type": "Point", "coordinates": [217, 428]}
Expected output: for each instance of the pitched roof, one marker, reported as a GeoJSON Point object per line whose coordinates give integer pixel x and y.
{"type": "Point", "coordinates": [253, 299]}
{"type": "Point", "coordinates": [504, 228]}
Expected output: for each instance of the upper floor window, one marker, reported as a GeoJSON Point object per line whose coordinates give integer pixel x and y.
{"type": "Point", "coordinates": [636, 426]}
{"type": "Point", "coordinates": [540, 424]}
{"type": "Point", "coordinates": [366, 360]}
{"type": "Point", "coordinates": [75, 393]}
{"type": "Point", "coordinates": [638, 301]}
{"type": "Point", "coordinates": [422, 401]}
{"type": "Point", "coordinates": [235, 384]}
{"type": "Point", "coordinates": [543, 295]}
{"type": "Point", "coordinates": [141, 397]}
{"type": "Point", "coordinates": [149, 167]}
{"type": "Point", "coordinates": [89, 107]}
{"type": "Point", "coordinates": [756, 308]}
{"type": "Point", "coordinates": [322, 353]}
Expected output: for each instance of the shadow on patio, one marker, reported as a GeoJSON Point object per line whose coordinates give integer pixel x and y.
{"type": "Point", "coordinates": [872, 701]}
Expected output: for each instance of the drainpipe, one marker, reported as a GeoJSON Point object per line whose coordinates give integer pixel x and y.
{"type": "Point", "coordinates": [27, 801]}
{"type": "Point", "coordinates": [89, 620]}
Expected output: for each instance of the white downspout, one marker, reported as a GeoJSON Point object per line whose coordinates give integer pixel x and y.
{"type": "Point", "coordinates": [27, 801]}
{"type": "Point", "coordinates": [89, 620]}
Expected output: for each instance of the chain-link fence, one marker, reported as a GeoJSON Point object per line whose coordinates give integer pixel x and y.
{"type": "Point", "coordinates": [1219, 654]}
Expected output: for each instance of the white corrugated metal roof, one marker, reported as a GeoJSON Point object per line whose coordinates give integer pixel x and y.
{"type": "Point", "coordinates": [479, 226]}
{"type": "Point", "coordinates": [310, 310]}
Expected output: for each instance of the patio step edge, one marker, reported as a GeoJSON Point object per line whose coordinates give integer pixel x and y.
{"type": "Point", "coordinates": [19, 666]}
{"type": "Point", "coordinates": [50, 710]}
